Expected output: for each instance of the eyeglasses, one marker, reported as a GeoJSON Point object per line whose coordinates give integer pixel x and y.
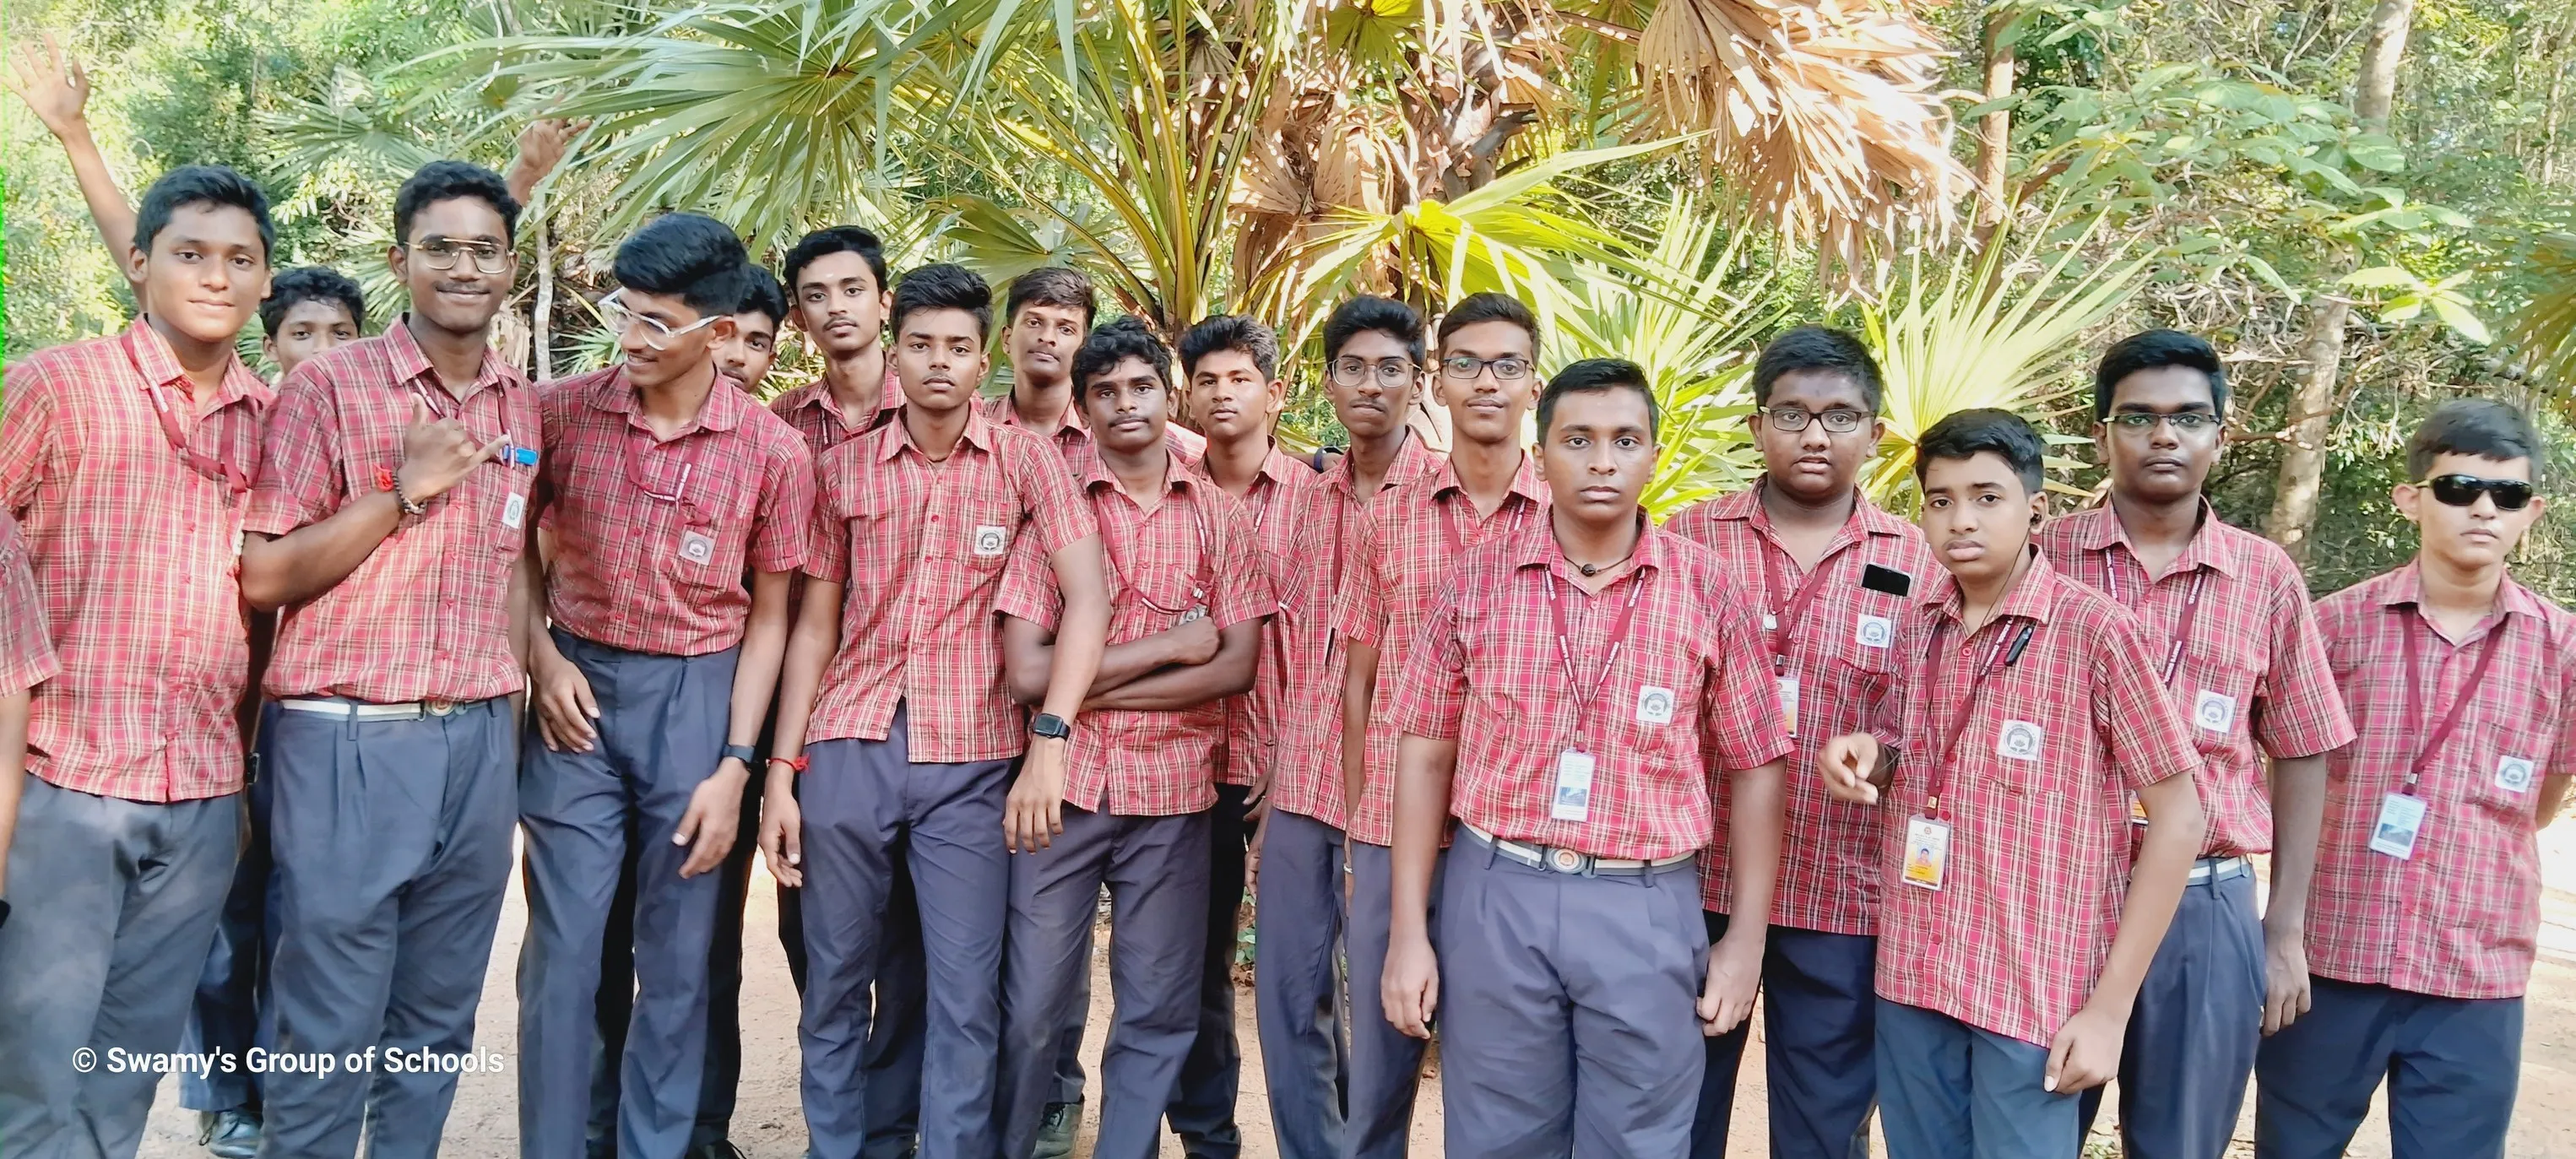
{"type": "Point", "coordinates": [2189, 422]}
{"type": "Point", "coordinates": [1840, 420]}
{"type": "Point", "coordinates": [1391, 372]}
{"type": "Point", "coordinates": [1465, 368]}
{"type": "Point", "coordinates": [442, 254]}
{"type": "Point", "coordinates": [2463, 491]}
{"type": "Point", "coordinates": [620, 319]}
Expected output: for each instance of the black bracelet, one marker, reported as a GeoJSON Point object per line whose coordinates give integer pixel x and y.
{"type": "Point", "coordinates": [741, 752]}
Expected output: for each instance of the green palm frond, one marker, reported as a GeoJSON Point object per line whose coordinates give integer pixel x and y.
{"type": "Point", "coordinates": [2544, 332]}
{"type": "Point", "coordinates": [2000, 330]}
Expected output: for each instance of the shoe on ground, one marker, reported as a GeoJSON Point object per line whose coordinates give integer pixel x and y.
{"type": "Point", "coordinates": [229, 1134]}
{"type": "Point", "coordinates": [719, 1149]}
{"type": "Point", "coordinates": [1055, 1132]}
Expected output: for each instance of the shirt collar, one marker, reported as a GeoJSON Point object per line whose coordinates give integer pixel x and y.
{"type": "Point", "coordinates": [723, 410]}
{"type": "Point", "coordinates": [2404, 587]}
{"type": "Point", "coordinates": [159, 366]}
{"type": "Point", "coordinates": [1006, 411]}
{"type": "Point", "coordinates": [1866, 518]}
{"type": "Point", "coordinates": [1525, 480]}
{"type": "Point", "coordinates": [411, 364]}
{"type": "Point", "coordinates": [1412, 461]}
{"type": "Point", "coordinates": [893, 436]}
{"type": "Point", "coordinates": [2099, 529]}
{"type": "Point", "coordinates": [1535, 546]}
{"type": "Point", "coordinates": [2031, 599]}
{"type": "Point", "coordinates": [1177, 476]}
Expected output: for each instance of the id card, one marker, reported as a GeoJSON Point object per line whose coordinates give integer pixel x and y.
{"type": "Point", "coordinates": [514, 511]}
{"type": "Point", "coordinates": [1927, 852]}
{"type": "Point", "coordinates": [1789, 703]}
{"type": "Point", "coordinates": [2137, 808]}
{"type": "Point", "coordinates": [697, 547]}
{"type": "Point", "coordinates": [2401, 817]}
{"type": "Point", "coordinates": [1573, 798]}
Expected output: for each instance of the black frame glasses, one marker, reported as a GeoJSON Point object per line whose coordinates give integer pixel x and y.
{"type": "Point", "coordinates": [2460, 490]}
{"type": "Point", "coordinates": [1465, 367]}
{"type": "Point", "coordinates": [1838, 420]}
{"type": "Point", "coordinates": [1390, 372]}
{"type": "Point", "coordinates": [444, 253]}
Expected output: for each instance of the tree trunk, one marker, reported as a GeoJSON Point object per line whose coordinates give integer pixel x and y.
{"type": "Point", "coordinates": [543, 323]}
{"type": "Point", "coordinates": [2302, 475]}
{"type": "Point", "coordinates": [2557, 102]}
{"type": "Point", "coordinates": [1994, 134]}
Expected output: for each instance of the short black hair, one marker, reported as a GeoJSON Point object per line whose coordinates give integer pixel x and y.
{"type": "Point", "coordinates": [446, 181]}
{"type": "Point", "coordinates": [2481, 427]}
{"type": "Point", "coordinates": [1370, 312]}
{"type": "Point", "coordinates": [1984, 430]}
{"type": "Point", "coordinates": [2150, 349]}
{"type": "Point", "coordinates": [1231, 332]}
{"type": "Point", "coordinates": [1819, 349]}
{"type": "Point", "coordinates": [761, 294]}
{"type": "Point", "coordinates": [1599, 376]}
{"type": "Point", "coordinates": [694, 258]}
{"type": "Point", "coordinates": [1117, 342]}
{"type": "Point", "coordinates": [945, 286]}
{"type": "Point", "coordinates": [1489, 307]}
{"type": "Point", "coordinates": [837, 239]}
{"type": "Point", "coordinates": [1062, 287]}
{"type": "Point", "coordinates": [311, 284]}
{"type": "Point", "coordinates": [202, 185]}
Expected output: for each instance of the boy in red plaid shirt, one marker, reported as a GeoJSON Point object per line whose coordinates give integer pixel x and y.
{"type": "Point", "coordinates": [2007, 955]}
{"type": "Point", "coordinates": [2421, 896]}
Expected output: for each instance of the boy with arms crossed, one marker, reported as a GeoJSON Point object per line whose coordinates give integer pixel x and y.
{"type": "Point", "coordinates": [895, 671]}
{"type": "Point", "coordinates": [1188, 597]}
{"type": "Point", "coordinates": [2243, 659]}
{"type": "Point", "coordinates": [2421, 898]}
{"type": "Point", "coordinates": [2032, 711]}
{"type": "Point", "coordinates": [1401, 551]}
{"type": "Point", "coordinates": [126, 461]}
{"type": "Point", "coordinates": [1572, 952]}
{"type": "Point", "coordinates": [1833, 573]}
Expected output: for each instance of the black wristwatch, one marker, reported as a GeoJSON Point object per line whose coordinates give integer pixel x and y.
{"type": "Point", "coordinates": [1050, 726]}
{"type": "Point", "coordinates": [749, 757]}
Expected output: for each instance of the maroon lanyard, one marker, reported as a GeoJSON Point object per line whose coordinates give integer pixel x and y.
{"type": "Point", "coordinates": [2450, 717]}
{"type": "Point", "coordinates": [1207, 562]}
{"type": "Point", "coordinates": [2000, 657]}
{"type": "Point", "coordinates": [1584, 697]}
{"type": "Point", "coordinates": [1783, 616]}
{"type": "Point", "coordinates": [643, 481]}
{"type": "Point", "coordinates": [2190, 612]}
{"type": "Point", "coordinates": [223, 471]}
{"type": "Point", "coordinates": [1457, 538]}
{"type": "Point", "coordinates": [437, 401]}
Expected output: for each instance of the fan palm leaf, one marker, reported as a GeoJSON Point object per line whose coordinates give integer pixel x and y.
{"type": "Point", "coordinates": [2544, 332]}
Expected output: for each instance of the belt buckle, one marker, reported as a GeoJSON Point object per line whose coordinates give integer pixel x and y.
{"type": "Point", "coordinates": [1565, 861]}
{"type": "Point", "coordinates": [438, 707]}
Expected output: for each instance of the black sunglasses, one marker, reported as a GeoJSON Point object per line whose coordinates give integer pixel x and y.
{"type": "Point", "coordinates": [2463, 491]}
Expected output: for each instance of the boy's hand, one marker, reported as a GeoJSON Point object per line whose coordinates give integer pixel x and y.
{"type": "Point", "coordinates": [781, 837]}
{"type": "Point", "coordinates": [52, 84]}
{"type": "Point", "coordinates": [1734, 977]}
{"type": "Point", "coordinates": [2285, 982]}
{"type": "Point", "coordinates": [2086, 1053]}
{"type": "Point", "coordinates": [1034, 812]}
{"type": "Point", "coordinates": [565, 706]}
{"type": "Point", "coordinates": [715, 811]}
{"type": "Point", "coordinates": [1410, 988]}
{"type": "Point", "coordinates": [1846, 764]}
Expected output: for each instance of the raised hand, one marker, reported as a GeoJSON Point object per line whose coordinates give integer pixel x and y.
{"type": "Point", "coordinates": [437, 453]}
{"type": "Point", "coordinates": [52, 84]}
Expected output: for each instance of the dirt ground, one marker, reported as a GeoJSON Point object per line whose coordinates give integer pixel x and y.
{"type": "Point", "coordinates": [768, 1125]}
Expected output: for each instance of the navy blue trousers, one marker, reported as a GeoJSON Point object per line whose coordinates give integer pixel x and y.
{"type": "Point", "coordinates": [2192, 1033]}
{"type": "Point", "coordinates": [1948, 1090]}
{"type": "Point", "coordinates": [2451, 1064]}
{"type": "Point", "coordinates": [1820, 1036]}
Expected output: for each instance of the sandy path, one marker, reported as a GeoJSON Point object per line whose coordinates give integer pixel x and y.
{"type": "Point", "coordinates": [769, 1126]}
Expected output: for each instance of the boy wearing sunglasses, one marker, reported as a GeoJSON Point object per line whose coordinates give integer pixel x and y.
{"type": "Point", "coordinates": [1833, 573]}
{"type": "Point", "coordinates": [665, 485]}
{"type": "Point", "coordinates": [389, 520]}
{"type": "Point", "coordinates": [1401, 549]}
{"type": "Point", "coordinates": [2242, 658]}
{"type": "Point", "coordinates": [1188, 597]}
{"type": "Point", "coordinates": [2422, 896]}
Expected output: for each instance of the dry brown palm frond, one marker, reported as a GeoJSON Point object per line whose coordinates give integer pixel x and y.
{"type": "Point", "coordinates": [1823, 114]}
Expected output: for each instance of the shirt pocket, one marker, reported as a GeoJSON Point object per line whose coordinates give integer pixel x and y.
{"type": "Point", "coordinates": [2217, 706]}
{"type": "Point", "coordinates": [1653, 702]}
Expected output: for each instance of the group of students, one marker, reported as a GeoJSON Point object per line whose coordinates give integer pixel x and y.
{"type": "Point", "coordinates": [1967, 803]}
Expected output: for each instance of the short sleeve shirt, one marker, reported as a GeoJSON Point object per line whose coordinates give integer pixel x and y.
{"type": "Point", "coordinates": [2460, 918]}
{"type": "Point", "coordinates": [1833, 630]}
{"type": "Point", "coordinates": [817, 416]}
{"type": "Point", "coordinates": [920, 548]}
{"type": "Point", "coordinates": [655, 536]}
{"type": "Point", "coordinates": [2035, 795]}
{"type": "Point", "coordinates": [134, 548]}
{"type": "Point", "coordinates": [1685, 695]}
{"type": "Point", "coordinates": [426, 616]}
{"type": "Point", "coordinates": [1280, 501]}
{"type": "Point", "coordinates": [26, 656]}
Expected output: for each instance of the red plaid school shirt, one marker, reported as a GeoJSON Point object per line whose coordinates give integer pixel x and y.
{"type": "Point", "coordinates": [638, 571]}
{"type": "Point", "coordinates": [1841, 649]}
{"type": "Point", "coordinates": [2461, 918]}
{"type": "Point", "coordinates": [427, 616]}
{"type": "Point", "coordinates": [816, 416]}
{"type": "Point", "coordinates": [921, 547]}
{"type": "Point", "coordinates": [1400, 552]}
{"type": "Point", "coordinates": [26, 655]}
{"type": "Point", "coordinates": [2252, 667]}
{"type": "Point", "coordinates": [136, 564]}
{"type": "Point", "coordinates": [1196, 549]}
{"type": "Point", "coordinates": [1687, 699]}
{"type": "Point", "coordinates": [1279, 502]}
{"type": "Point", "coordinates": [1306, 778]}
{"type": "Point", "coordinates": [2038, 863]}
{"type": "Point", "coordinates": [1072, 436]}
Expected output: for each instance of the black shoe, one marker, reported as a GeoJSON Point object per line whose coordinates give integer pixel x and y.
{"type": "Point", "coordinates": [229, 1134]}
{"type": "Point", "coordinates": [719, 1149]}
{"type": "Point", "coordinates": [1055, 1132]}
